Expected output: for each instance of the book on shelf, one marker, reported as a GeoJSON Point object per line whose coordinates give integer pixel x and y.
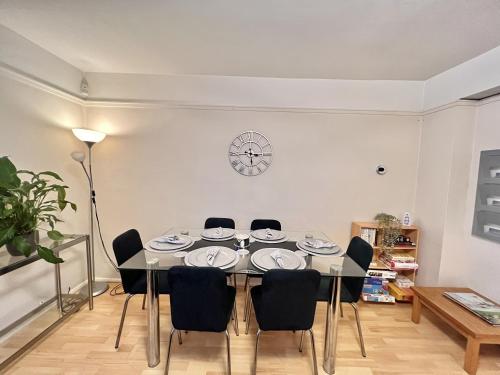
{"type": "Point", "coordinates": [369, 235]}
{"type": "Point", "coordinates": [482, 307]}
{"type": "Point", "coordinates": [398, 262]}
{"type": "Point", "coordinates": [375, 281]}
{"type": "Point", "coordinates": [381, 274]}
{"type": "Point", "coordinates": [379, 298]}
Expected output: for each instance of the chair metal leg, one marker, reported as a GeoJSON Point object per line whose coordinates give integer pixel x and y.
{"type": "Point", "coordinates": [358, 322]}
{"type": "Point", "coordinates": [301, 340]}
{"type": "Point", "coordinates": [249, 317]}
{"type": "Point", "coordinates": [247, 302]}
{"type": "Point", "coordinates": [256, 349]}
{"type": "Point", "coordinates": [235, 321]}
{"type": "Point", "coordinates": [313, 346]}
{"type": "Point", "coordinates": [341, 310]}
{"type": "Point", "coordinates": [246, 282]}
{"type": "Point", "coordinates": [125, 305]}
{"type": "Point", "coordinates": [169, 349]}
{"type": "Point", "coordinates": [228, 353]}
{"type": "Point", "coordinates": [144, 302]}
{"type": "Point", "coordinates": [179, 337]}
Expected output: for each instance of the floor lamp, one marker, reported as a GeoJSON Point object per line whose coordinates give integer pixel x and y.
{"type": "Point", "coordinates": [90, 138]}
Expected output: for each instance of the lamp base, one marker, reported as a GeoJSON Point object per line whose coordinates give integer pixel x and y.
{"type": "Point", "coordinates": [98, 288]}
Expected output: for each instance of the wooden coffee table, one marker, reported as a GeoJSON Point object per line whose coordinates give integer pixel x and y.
{"type": "Point", "coordinates": [475, 330]}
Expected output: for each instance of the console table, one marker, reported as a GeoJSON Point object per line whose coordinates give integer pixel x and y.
{"type": "Point", "coordinates": [473, 328]}
{"type": "Point", "coordinates": [65, 304]}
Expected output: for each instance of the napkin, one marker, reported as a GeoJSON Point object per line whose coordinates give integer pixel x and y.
{"type": "Point", "coordinates": [211, 255]}
{"type": "Point", "coordinates": [218, 232]}
{"type": "Point", "coordinates": [319, 244]}
{"type": "Point", "coordinates": [174, 240]}
{"type": "Point", "coordinates": [276, 255]}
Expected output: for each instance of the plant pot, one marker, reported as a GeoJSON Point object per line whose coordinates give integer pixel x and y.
{"type": "Point", "coordinates": [33, 238]}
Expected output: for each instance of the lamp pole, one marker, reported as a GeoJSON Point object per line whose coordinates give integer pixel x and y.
{"type": "Point", "coordinates": [98, 287]}
{"type": "Point", "coordinates": [90, 138]}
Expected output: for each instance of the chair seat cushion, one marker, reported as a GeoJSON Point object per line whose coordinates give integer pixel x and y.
{"type": "Point", "coordinates": [325, 292]}
{"type": "Point", "coordinates": [140, 285]}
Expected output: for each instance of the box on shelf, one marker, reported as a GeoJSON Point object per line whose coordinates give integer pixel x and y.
{"type": "Point", "coordinates": [381, 274]}
{"type": "Point", "coordinates": [403, 282]}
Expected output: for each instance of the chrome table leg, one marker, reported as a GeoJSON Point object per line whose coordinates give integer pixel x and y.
{"type": "Point", "coordinates": [153, 343]}
{"type": "Point", "coordinates": [331, 337]}
{"type": "Point", "coordinates": [59, 298]}
{"type": "Point", "coordinates": [89, 273]}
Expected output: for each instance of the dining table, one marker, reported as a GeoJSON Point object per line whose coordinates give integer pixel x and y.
{"type": "Point", "coordinates": [333, 267]}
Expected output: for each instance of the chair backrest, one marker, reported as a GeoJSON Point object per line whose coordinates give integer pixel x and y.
{"type": "Point", "coordinates": [125, 246]}
{"type": "Point", "coordinates": [199, 298]}
{"type": "Point", "coordinates": [216, 222]}
{"type": "Point", "coordinates": [362, 253]}
{"type": "Point", "coordinates": [265, 223]}
{"type": "Point", "coordinates": [288, 300]}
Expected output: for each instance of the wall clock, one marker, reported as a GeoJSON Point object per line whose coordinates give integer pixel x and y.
{"type": "Point", "coordinates": [250, 153]}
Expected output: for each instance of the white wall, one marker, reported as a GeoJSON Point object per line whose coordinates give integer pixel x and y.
{"type": "Point", "coordinates": [260, 91]}
{"type": "Point", "coordinates": [482, 256]}
{"type": "Point", "coordinates": [476, 75]}
{"type": "Point", "coordinates": [165, 167]}
{"type": "Point", "coordinates": [445, 153]}
{"type": "Point", "coordinates": [34, 128]}
{"type": "Point", "coordinates": [29, 58]}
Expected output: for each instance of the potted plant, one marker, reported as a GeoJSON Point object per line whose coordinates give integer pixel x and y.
{"type": "Point", "coordinates": [389, 229]}
{"type": "Point", "coordinates": [29, 204]}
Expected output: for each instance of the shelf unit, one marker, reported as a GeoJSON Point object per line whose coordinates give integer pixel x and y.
{"type": "Point", "coordinates": [411, 231]}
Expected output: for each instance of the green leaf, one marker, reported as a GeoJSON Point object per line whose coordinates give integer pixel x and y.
{"type": "Point", "coordinates": [51, 174]}
{"type": "Point", "coordinates": [55, 235]}
{"type": "Point", "coordinates": [7, 234]}
{"type": "Point", "coordinates": [48, 255]}
{"type": "Point", "coordinates": [73, 206]}
{"type": "Point", "coordinates": [8, 174]}
{"type": "Point", "coordinates": [22, 245]}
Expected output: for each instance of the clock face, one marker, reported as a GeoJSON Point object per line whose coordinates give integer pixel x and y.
{"type": "Point", "coordinates": [250, 153]}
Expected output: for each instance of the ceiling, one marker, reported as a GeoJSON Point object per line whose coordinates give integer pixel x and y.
{"type": "Point", "coordinates": [354, 39]}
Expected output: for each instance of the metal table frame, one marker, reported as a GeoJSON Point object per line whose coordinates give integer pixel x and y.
{"type": "Point", "coordinates": [59, 298]}
{"type": "Point", "coordinates": [152, 269]}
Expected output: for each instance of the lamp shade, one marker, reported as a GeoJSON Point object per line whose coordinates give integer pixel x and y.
{"type": "Point", "coordinates": [87, 135]}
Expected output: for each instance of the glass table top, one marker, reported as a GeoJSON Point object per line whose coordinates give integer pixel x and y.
{"type": "Point", "coordinates": [328, 266]}
{"type": "Point", "coordinates": [10, 263]}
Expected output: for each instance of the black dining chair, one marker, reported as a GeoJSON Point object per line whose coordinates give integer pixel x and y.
{"type": "Point", "coordinates": [265, 224]}
{"type": "Point", "coordinates": [362, 253]}
{"type": "Point", "coordinates": [286, 301]}
{"type": "Point", "coordinates": [216, 222]}
{"type": "Point", "coordinates": [125, 246]}
{"type": "Point", "coordinates": [200, 300]}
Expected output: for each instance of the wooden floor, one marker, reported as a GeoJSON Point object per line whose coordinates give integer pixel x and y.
{"type": "Point", "coordinates": [85, 345]}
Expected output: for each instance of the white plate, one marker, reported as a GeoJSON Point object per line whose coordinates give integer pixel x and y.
{"type": "Point", "coordinates": [260, 234]}
{"type": "Point", "coordinates": [333, 251]}
{"type": "Point", "coordinates": [164, 247]}
{"type": "Point", "coordinates": [211, 234]}
{"type": "Point", "coordinates": [271, 241]}
{"type": "Point", "coordinates": [217, 239]}
{"type": "Point", "coordinates": [300, 267]}
{"type": "Point", "coordinates": [227, 266]}
{"type": "Point", "coordinates": [198, 257]}
{"type": "Point", "coordinates": [263, 260]}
